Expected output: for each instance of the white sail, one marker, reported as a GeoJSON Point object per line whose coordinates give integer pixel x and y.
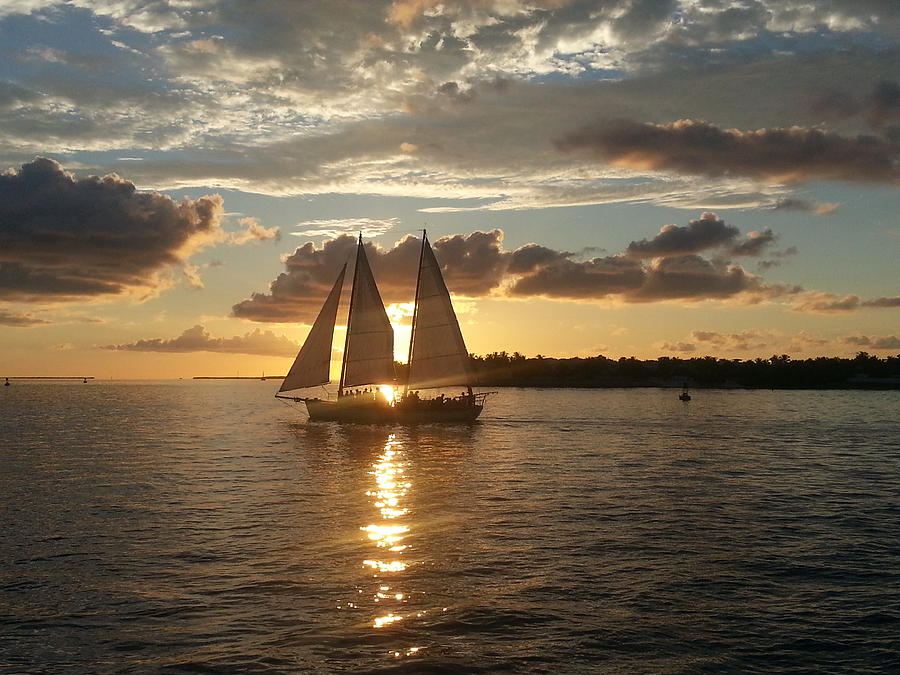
{"type": "Point", "coordinates": [438, 355]}
{"type": "Point", "coordinates": [369, 351]}
{"type": "Point", "coordinates": [311, 367]}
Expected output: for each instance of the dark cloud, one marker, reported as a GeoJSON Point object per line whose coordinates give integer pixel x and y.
{"type": "Point", "coordinates": [880, 108]}
{"type": "Point", "coordinates": [670, 277]}
{"type": "Point", "coordinates": [12, 95]}
{"type": "Point", "coordinates": [62, 237]}
{"type": "Point", "coordinates": [706, 233]}
{"type": "Point", "coordinates": [873, 341]}
{"type": "Point", "coordinates": [472, 265]}
{"type": "Point", "coordinates": [699, 148]}
{"type": "Point", "coordinates": [755, 244]}
{"type": "Point", "coordinates": [885, 103]}
{"type": "Point", "coordinates": [836, 104]}
{"type": "Point", "coordinates": [779, 258]}
{"type": "Point", "coordinates": [591, 279]}
{"type": "Point", "coordinates": [794, 204]}
{"type": "Point", "coordinates": [198, 339]}
{"type": "Point", "coordinates": [475, 265]}
{"type": "Point", "coordinates": [19, 320]}
{"type": "Point", "coordinates": [890, 301]}
{"type": "Point", "coordinates": [532, 256]}
{"type": "Point", "coordinates": [453, 91]}
{"type": "Point", "coordinates": [830, 303]}
{"type": "Point", "coordinates": [748, 340]}
{"type": "Point", "coordinates": [692, 277]}
{"type": "Point", "coordinates": [678, 347]}
{"type": "Point", "coordinates": [709, 231]}
{"type": "Point", "coordinates": [297, 293]}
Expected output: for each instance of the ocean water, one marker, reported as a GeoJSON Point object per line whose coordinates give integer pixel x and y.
{"type": "Point", "coordinates": [205, 527]}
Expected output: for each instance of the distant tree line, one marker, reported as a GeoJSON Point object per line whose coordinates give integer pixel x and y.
{"type": "Point", "coordinates": [864, 371]}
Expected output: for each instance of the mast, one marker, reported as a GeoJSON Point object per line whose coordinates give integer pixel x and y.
{"type": "Point", "coordinates": [349, 314]}
{"type": "Point", "coordinates": [412, 332]}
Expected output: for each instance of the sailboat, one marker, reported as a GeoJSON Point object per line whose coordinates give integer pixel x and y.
{"type": "Point", "coordinates": [438, 358]}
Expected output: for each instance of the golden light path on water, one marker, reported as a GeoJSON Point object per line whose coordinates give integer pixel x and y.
{"type": "Point", "coordinates": [388, 534]}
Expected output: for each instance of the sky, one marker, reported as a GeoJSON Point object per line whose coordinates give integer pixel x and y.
{"type": "Point", "coordinates": [182, 179]}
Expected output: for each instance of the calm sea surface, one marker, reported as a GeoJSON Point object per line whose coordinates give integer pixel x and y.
{"type": "Point", "coordinates": [204, 527]}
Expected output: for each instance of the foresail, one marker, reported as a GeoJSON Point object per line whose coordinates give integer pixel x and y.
{"type": "Point", "coordinates": [369, 354]}
{"type": "Point", "coordinates": [438, 355]}
{"type": "Point", "coordinates": [312, 365]}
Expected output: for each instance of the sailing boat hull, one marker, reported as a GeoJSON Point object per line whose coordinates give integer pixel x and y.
{"type": "Point", "coordinates": [379, 411]}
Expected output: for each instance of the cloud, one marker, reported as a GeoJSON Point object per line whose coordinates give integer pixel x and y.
{"type": "Point", "coordinates": [19, 320]}
{"type": "Point", "coordinates": [472, 265]}
{"type": "Point", "coordinates": [785, 155]}
{"type": "Point", "coordinates": [335, 227]}
{"type": "Point", "coordinates": [873, 341]}
{"type": "Point", "coordinates": [888, 302]}
{"type": "Point", "coordinates": [253, 231]}
{"type": "Point", "coordinates": [564, 278]}
{"type": "Point", "coordinates": [748, 340]}
{"type": "Point", "coordinates": [708, 231]}
{"type": "Point", "coordinates": [198, 339]}
{"type": "Point", "coordinates": [297, 293]}
{"type": "Point", "coordinates": [755, 243]}
{"type": "Point", "coordinates": [819, 208]}
{"type": "Point", "coordinates": [337, 97]}
{"type": "Point", "coordinates": [817, 302]}
{"type": "Point", "coordinates": [692, 277]}
{"type": "Point", "coordinates": [678, 347]}
{"type": "Point", "coordinates": [476, 265]}
{"type": "Point", "coordinates": [885, 103]}
{"type": "Point", "coordinates": [10, 7]}
{"type": "Point", "coordinates": [65, 238]}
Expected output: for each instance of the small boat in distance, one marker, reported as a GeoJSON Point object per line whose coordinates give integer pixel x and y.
{"type": "Point", "coordinates": [438, 358]}
{"type": "Point", "coordinates": [684, 395]}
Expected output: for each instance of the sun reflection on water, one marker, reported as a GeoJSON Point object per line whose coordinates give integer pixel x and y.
{"type": "Point", "coordinates": [388, 534]}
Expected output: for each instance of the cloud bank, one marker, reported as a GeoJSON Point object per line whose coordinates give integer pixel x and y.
{"type": "Point", "coordinates": [666, 268]}
{"type": "Point", "coordinates": [17, 320]}
{"type": "Point", "coordinates": [65, 238]}
{"type": "Point", "coordinates": [198, 339]}
{"type": "Point", "coordinates": [391, 98]}
{"type": "Point", "coordinates": [782, 155]}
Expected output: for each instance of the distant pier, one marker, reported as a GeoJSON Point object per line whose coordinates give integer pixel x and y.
{"type": "Point", "coordinates": [237, 377]}
{"type": "Point", "coordinates": [48, 377]}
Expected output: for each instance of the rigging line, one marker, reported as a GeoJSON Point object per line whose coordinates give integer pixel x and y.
{"type": "Point", "coordinates": [350, 313]}
{"type": "Point", "coordinates": [412, 331]}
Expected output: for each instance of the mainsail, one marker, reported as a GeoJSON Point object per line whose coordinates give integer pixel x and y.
{"type": "Point", "coordinates": [438, 355]}
{"type": "Point", "coordinates": [311, 367]}
{"type": "Point", "coordinates": [369, 349]}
